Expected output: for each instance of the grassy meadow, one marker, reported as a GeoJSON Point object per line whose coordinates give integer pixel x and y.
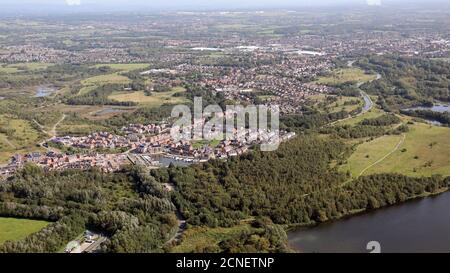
{"type": "Point", "coordinates": [154, 100]}
{"type": "Point", "coordinates": [347, 75]}
{"type": "Point", "coordinates": [424, 152]}
{"type": "Point", "coordinates": [12, 229]}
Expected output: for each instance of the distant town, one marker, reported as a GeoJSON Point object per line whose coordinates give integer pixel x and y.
{"type": "Point", "coordinates": [149, 145]}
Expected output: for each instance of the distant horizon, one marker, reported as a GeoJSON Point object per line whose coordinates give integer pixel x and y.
{"type": "Point", "coordinates": [102, 6]}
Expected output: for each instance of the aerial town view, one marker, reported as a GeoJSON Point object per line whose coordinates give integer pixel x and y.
{"type": "Point", "coordinates": [224, 127]}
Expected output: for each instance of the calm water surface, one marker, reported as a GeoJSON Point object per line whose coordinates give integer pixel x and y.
{"type": "Point", "coordinates": [416, 226]}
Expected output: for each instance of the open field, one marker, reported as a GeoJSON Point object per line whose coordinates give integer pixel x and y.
{"type": "Point", "coordinates": [16, 136]}
{"type": "Point", "coordinates": [373, 113]}
{"type": "Point", "coordinates": [424, 152]}
{"type": "Point", "coordinates": [369, 152]}
{"type": "Point", "coordinates": [19, 67]}
{"type": "Point", "coordinates": [8, 69]}
{"type": "Point", "coordinates": [347, 75]}
{"type": "Point", "coordinates": [154, 100]}
{"type": "Point", "coordinates": [198, 238]}
{"type": "Point", "coordinates": [90, 84]}
{"type": "Point", "coordinates": [336, 106]}
{"type": "Point", "coordinates": [12, 229]}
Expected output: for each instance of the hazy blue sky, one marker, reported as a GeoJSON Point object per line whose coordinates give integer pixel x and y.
{"type": "Point", "coordinates": [149, 5]}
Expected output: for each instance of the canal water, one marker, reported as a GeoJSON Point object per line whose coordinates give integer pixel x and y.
{"type": "Point", "coordinates": [416, 226]}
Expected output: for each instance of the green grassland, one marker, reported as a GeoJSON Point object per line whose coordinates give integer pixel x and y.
{"type": "Point", "coordinates": [20, 67]}
{"type": "Point", "coordinates": [198, 238]}
{"type": "Point", "coordinates": [424, 152]}
{"type": "Point", "coordinates": [12, 229]}
{"type": "Point", "coordinates": [347, 75]}
{"type": "Point", "coordinates": [90, 84]}
{"type": "Point", "coordinates": [8, 69]}
{"type": "Point", "coordinates": [368, 153]}
{"type": "Point", "coordinates": [373, 113]}
{"type": "Point", "coordinates": [336, 106]}
{"type": "Point", "coordinates": [17, 136]}
{"type": "Point", "coordinates": [154, 100]}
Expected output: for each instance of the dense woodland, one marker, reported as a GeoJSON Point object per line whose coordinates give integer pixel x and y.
{"type": "Point", "coordinates": [406, 81]}
{"type": "Point", "coordinates": [443, 118]}
{"type": "Point", "coordinates": [99, 96]}
{"type": "Point", "coordinates": [293, 185]}
{"type": "Point", "coordinates": [129, 207]}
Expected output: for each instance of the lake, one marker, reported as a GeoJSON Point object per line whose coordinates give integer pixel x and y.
{"type": "Point", "coordinates": [415, 226]}
{"type": "Point", "coordinates": [440, 108]}
{"type": "Point", "coordinates": [42, 91]}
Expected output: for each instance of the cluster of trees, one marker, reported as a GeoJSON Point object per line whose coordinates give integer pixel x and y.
{"type": "Point", "coordinates": [50, 239]}
{"type": "Point", "coordinates": [358, 131]}
{"type": "Point", "coordinates": [384, 120]}
{"type": "Point", "coordinates": [99, 96]}
{"type": "Point", "coordinates": [143, 115]}
{"type": "Point", "coordinates": [292, 185]}
{"type": "Point", "coordinates": [129, 207]}
{"type": "Point", "coordinates": [55, 75]}
{"type": "Point", "coordinates": [264, 237]}
{"type": "Point", "coordinates": [407, 81]}
{"type": "Point", "coordinates": [221, 193]}
{"type": "Point", "coordinates": [443, 118]}
{"type": "Point", "coordinates": [311, 120]}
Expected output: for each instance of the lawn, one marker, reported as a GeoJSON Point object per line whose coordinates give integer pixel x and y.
{"type": "Point", "coordinates": [154, 100]}
{"type": "Point", "coordinates": [424, 152]}
{"type": "Point", "coordinates": [198, 238]}
{"type": "Point", "coordinates": [12, 229]}
{"type": "Point", "coordinates": [347, 75]}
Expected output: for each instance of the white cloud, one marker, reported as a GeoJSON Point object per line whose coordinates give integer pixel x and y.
{"type": "Point", "coordinates": [73, 2]}
{"type": "Point", "coordinates": [374, 2]}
